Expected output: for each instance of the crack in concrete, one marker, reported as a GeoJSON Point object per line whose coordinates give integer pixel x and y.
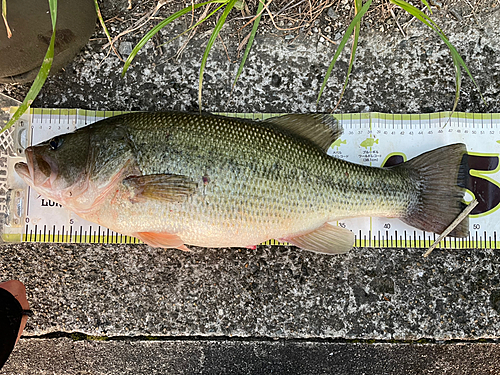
{"type": "Point", "coordinates": [79, 336]}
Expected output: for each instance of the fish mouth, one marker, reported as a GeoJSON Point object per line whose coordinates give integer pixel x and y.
{"type": "Point", "coordinates": [38, 171]}
{"type": "Point", "coordinates": [23, 171]}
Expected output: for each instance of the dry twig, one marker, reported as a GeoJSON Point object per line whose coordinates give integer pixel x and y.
{"type": "Point", "coordinates": [225, 49]}
{"type": "Point", "coordinates": [397, 23]}
{"type": "Point", "coordinates": [193, 32]}
{"type": "Point", "coordinates": [141, 22]}
{"type": "Point", "coordinates": [452, 226]}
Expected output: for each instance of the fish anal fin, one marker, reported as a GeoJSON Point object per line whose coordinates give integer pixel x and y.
{"type": "Point", "coordinates": [164, 187]}
{"type": "Point", "coordinates": [165, 240]}
{"type": "Point", "coordinates": [321, 129]}
{"type": "Point", "coordinates": [327, 239]}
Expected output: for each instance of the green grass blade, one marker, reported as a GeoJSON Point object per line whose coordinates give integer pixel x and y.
{"type": "Point", "coordinates": [357, 6]}
{"type": "Point", "coordinates": [250, 40]}
{"type": "Point", "coordinates": [4, 16]}
{"type": "Point", "coordinates": [342, 44]}
{"type": "Point", "coordinates": [458, 62]}
{"type": "Point", "coordinates": [101, 21]}
{"type": "Point", "coordinates": [458, 83]}
{"type": "Point", "coordinates": [42, 74]}
{"type": "Point", "coordinates": [210, 43]}
{"type": "Point", "coordinates": [160, 26]}
{"type": "Point", "coordinates": [53, 14]}
{"type": "Point", "coordinates": [427, 5]}
{"type": "Point", "coordinates": [417, 13]}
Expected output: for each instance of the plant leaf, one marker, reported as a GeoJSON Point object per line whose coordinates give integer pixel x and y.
{"type": "Point", "coordinates": [427, 5]}
{"type": "Point", "coordinates": [240, 4]}
{"type": "Point", "coordinates": [250, 40]}
{"type": "Point", "coordinates": [342, 44]}
{"type": "Point", "coordinates": [4, 16]}
{"type": "Point", "coordinates": [42, 74]}
{"type": "Point", "coordinates": [217, 28]}
{"type": "Point", "coordinates": [458, 83]}
{"type": "Point", "coordinates": [357, 6]}
{"type": "Point", "coordinates": [103, 24]}
{"type": "Point", "coordinates": [160, 26]}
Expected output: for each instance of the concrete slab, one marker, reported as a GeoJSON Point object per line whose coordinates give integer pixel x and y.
{"type": "Point", "coordinates": [64, 356]}
{"type": "Point", "coordinates": [274, 292]}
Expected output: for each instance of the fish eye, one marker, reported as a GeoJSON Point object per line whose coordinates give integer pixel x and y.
{"type": "Point", "coordinates": [55, 143]}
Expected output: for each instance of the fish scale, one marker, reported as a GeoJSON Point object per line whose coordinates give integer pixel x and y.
{"type": "Point", "coordinates": [308, 178]}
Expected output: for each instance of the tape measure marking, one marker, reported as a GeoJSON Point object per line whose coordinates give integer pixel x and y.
{"type": "Point", "coordinates": [369, 138]}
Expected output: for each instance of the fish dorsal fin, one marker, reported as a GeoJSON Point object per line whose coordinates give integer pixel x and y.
{"type": "Point", "coordinates": [164, 187]}
{"type": "Point", "coordinates": [320, 129]}
{"type": "Point", "coordinates": [327, 239]}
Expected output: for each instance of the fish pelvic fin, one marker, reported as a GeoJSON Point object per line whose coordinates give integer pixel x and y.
{"type": "Point", "coordinates": [320, 129]}
{"type": "Point", "coordinates": [327, 239]}
{"type": "Point", "coordinates": [165, 240]}
{"type": "Point", "coordinates": [441, 180]}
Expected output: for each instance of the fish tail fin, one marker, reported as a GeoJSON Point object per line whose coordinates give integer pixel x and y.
{"type": "Point", "coordinates": [441, 181]}
{"type": "Point", "coordinates": [376, 141]}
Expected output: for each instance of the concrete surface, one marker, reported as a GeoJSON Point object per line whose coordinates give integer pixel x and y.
{"type": "Point", "coordinates": [198, 303]}
{"type": "Point", "coordinates": [68, 357]}
{"type": "Point", "coordinates": [273, 292]}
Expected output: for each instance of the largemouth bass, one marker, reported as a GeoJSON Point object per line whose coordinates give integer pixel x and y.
{"type": "Point", "coordinates": [172, 179]}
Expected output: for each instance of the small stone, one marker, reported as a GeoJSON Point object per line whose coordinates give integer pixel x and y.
{"type": "Point", "coordinates": [338, 36]}
{"type": "Point", "coordinates": [328, 29]}
{"type": "Point", "coordinates": [125, 48]}
{"type": "Point", "coordinates": [289, 37]}
{"type": "Point", "coordinates": [495, 300]}
{"type": "Point", "coordinates": [321, 40]}
{"type": "Point", "coordinates": [276, 80]}
{"type": "Point", "coordinates": [331, 13]}
{"type": "Point", "coordinates": [455, 14]}
{"type": "Point", "coordinates": [315, 29]}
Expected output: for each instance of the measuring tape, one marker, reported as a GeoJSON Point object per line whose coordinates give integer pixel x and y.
{"type": "Point", "coordinates": [374, 139]}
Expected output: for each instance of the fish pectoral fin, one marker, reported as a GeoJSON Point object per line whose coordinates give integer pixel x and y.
{"type": "Point", "coordinates": [164, 187]}
{"type": "Point", "coordinates": [320, 129]}
{"type": "Point", "coordinates": [165, 240]}
{"type": "Point", "coordinates": [327, 239]}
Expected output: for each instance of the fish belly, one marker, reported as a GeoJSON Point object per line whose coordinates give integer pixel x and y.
{"type": "Point", "coordinates": [235, 212]}
{"type": "Point", "coordinates": [210, 221]}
